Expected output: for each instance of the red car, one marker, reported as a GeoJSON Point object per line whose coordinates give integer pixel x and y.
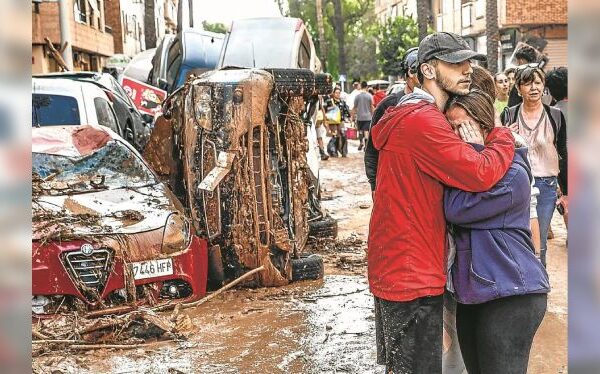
{"type": "Point", "coordinates": [106, 232]}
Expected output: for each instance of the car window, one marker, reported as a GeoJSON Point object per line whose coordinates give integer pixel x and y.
{"type": "Point", "coordinates": [259, 44]}
{"type": "Point", "coordinates": [105, 114]}
{"type": "Point", "coordinates": [54, 110]}
{"type": "Point", "coordinates": [173, 63]}
{"type": "Point", "coordinates": [304, 53]}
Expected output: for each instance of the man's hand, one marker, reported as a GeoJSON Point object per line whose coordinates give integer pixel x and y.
{"type": "Point", "coordinates": [470, 133]}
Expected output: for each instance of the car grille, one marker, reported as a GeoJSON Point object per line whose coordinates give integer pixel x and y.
{"type": "Point", "coordinates": [89, 272]}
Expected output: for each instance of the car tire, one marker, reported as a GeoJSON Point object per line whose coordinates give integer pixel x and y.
{"type": "Point", "coordinates": [294, 82]}
{"type": "Point", "coordinates": [323, 84]}
{"type": "Point", "coordinates": [325, 227]}
{"type": "Point", "coordinates": [307, 267]}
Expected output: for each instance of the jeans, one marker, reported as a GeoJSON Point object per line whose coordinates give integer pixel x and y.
{"type": "Point", "coordinates": [409, 335]}
{"type": "Point", "coordinates": [496, 337]}
{"type": "Point", "coordinates": [546, 203]}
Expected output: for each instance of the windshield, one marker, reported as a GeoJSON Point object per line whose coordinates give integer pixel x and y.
{"type": "Point", "coordinates": [111, 167]}
{"type": "Point", "coordinates": [260, 44]}
{"type": "Point", "coordinates": [54, 110]}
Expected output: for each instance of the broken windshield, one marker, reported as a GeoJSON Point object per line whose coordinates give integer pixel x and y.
{"type": "Point", "coordinates": [111, 167]}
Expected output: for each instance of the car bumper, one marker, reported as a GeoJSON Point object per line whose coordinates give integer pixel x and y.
{"type": "Point", "coordinates": [52, 276]}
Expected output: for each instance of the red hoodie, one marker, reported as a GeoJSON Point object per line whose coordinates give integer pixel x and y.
{"type": "Point", "coordinates": [419, 154]}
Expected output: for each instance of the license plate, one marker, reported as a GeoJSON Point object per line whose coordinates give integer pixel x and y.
{"type": "Point", "coordinates": [152, 268]}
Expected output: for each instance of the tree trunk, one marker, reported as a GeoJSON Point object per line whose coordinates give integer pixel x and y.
{"type": "Point", "coordinates": [423, 15]}
{"type": "Point", "coordinates": [338, 24]}
{"type": "Point", "coordinates": [322, 40]}
{"type": "Point", "coordinates": [492, 34]}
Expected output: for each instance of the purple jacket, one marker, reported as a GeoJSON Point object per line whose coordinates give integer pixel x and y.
{"type": "Point", "coordinates": [494, 251]}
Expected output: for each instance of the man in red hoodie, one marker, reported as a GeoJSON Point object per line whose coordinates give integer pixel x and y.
{"type": "Point", "coordinates": [419, 154]}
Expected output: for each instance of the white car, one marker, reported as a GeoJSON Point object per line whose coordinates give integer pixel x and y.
{"type": "Point", "coordinates": [66, 102]}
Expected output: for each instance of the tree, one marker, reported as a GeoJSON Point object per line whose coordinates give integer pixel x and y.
{"type": "Point", "coordinates": [356, 21]}
{"type": "Point", "coordinates": [492, 33]}
{"type": "Point", "coordinates": [214, 27]}
{"type": "Point", "coordinates": [396, 36]}
{"type": "Point", "coordinates": [423, 17]}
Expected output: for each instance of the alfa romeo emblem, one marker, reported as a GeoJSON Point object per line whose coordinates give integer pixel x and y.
{"type": "Point", "coordinates": [87, 249]}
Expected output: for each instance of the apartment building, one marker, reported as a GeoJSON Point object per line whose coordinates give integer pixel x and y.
{"type": "Point", "coordinates": [542, 24]}
{"type": "Point", "coordinates": [385, 9]}
{"type": "Point", "coordinates": [91, 39]}
{"type": "Point", "coordinates": [126, 19]}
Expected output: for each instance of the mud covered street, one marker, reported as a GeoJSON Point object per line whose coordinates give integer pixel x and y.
{"type": "Point", "coordinates": [306, 327]}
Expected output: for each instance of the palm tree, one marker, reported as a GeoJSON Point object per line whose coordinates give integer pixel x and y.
{"type": "Point", "coordinates": [423, 16]}
{"type": "Point", "coordinates": [492, 33]}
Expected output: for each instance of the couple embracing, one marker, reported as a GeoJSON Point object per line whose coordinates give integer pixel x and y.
{"type": "Point", "coordinates": [446, 174]}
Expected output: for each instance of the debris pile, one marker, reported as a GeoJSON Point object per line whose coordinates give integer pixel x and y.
{"type": "Point", "coordinates": [132, 330]}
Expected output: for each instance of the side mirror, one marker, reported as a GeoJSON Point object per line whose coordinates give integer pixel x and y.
{"type": "Point", "coordinates": [162, 84]}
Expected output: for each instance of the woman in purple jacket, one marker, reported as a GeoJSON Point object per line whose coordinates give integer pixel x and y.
{"type": "Point", "coordinates": [500, 285]}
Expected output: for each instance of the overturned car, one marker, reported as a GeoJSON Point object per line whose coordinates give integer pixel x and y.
{"type": "Point", "coordinates": [232, 145]}
{"type": "Point", "coordinates": [237, 146]}
{"type": "Point", "coordinates": [106, 231]}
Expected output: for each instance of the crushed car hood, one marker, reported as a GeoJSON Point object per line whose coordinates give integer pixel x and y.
{"type": "Point", "coordinates": [120, 211]}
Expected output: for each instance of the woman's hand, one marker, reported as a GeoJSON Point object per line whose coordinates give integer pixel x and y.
{"type": "Point", "coordinates": [470, 133]}
{"type": "Point", "coordinates": [514, 127]}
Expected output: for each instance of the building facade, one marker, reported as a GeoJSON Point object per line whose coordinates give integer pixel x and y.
{"type": "Point", "coordinates": [126, 19]}
{"type": "Point", "coordinates": [385, 9]}
{"type": "Point", "coordinates": [542, 24]}
{"type": "Point", "coordinates": [91, 39]}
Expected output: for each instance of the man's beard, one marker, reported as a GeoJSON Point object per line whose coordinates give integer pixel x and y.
{"type": "Point", "coordinates": [446, 85]}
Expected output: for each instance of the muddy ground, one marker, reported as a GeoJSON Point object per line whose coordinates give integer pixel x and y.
{"type": "Point", "coordinates": [309, 327]}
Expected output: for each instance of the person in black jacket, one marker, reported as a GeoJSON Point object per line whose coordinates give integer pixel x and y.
{"type": "Point", "coordinates": [544, 128]}
{"type": "Point", "coordinates": [409, 73]}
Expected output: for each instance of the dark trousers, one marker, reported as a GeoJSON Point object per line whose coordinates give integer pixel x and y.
{"type": "Point", "coordinates": [409, 335]}
{"type": "Point", "coordinates": [496, 337]}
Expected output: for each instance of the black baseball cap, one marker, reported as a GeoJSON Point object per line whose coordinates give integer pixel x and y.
{"type": "Point", "coordinates": [447, 47]}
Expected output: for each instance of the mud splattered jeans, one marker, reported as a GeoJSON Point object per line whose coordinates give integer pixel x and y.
{"type": "Point", "coordinates": [409, 335]}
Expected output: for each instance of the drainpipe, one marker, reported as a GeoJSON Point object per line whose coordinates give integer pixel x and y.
{"type": "Point", "coordinates": [65, 32]}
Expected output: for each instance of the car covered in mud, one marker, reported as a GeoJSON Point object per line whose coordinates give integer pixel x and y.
{"type": "Point", "coordinates": [106, 232]}
{"type": "Point", "coordinates": [233, 144]}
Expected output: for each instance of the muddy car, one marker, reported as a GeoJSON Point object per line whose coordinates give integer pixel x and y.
{"type": "Point", "coordinates": [232, 145]}
{"type": "Point", "coordinates": [106, 231]}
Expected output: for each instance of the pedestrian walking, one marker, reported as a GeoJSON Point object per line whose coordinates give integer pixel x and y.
{"type": "Point", "coordinates": [419, 153]}
{"type": "Point", "coordinates": [557, 84]}
{"type": "Point", "coordinates": [409, 74]}
{"type": "Point", "coordinates": [500, 285]}
{"type": "Point", "coordinates": [352, 95]}
{"type": "Point", "coordinates": [362, 113]}
{"type": "Point", "coordinates": [322, 128]}
{"type": "Point", "coordinates": [336, 113]}
{"type": "Point", "coordinates": [544, 128]}
{"type": "Point", "coordinates": [379, 95]}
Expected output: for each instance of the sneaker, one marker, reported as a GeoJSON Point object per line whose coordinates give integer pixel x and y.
{"type": "Point", "coordinates": [360, 147]}
{"type": "Point", "coordinates": [324, 156]}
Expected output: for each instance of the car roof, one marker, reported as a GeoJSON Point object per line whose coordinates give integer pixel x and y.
{"type": "Point", "coordinates": [71, 74]}
{"type": "Point", "coordinates": [71, 141]}
{"type": "Point", "coordinates": [65, 87]}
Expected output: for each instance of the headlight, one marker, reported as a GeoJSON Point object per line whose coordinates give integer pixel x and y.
{"type": "Point", "coordinates": [202, 97]}
{"type": "Point", "coordinates": [177, 235]}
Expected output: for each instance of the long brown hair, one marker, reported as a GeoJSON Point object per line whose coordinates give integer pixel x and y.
{"type": "Point", "coordinates": [481, 79]}
{"type": "Point", "coordinates": [479, 105]}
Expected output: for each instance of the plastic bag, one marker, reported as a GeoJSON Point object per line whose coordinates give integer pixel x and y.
{"type": "Point", "coordinates": [334, 116]}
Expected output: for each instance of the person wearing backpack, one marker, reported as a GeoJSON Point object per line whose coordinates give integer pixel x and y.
{"type": "Point", "coordinates": [544, 128]}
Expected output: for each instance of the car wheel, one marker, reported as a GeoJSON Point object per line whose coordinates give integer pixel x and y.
{"type": "Point", "coordinates": [294, 82]}
{"type": "Point", "coordinates": [323, 84]}
{"type": "Point", "coordinates": [307, 267]}
{"type": "Point", "coordinates": [325, 227]}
